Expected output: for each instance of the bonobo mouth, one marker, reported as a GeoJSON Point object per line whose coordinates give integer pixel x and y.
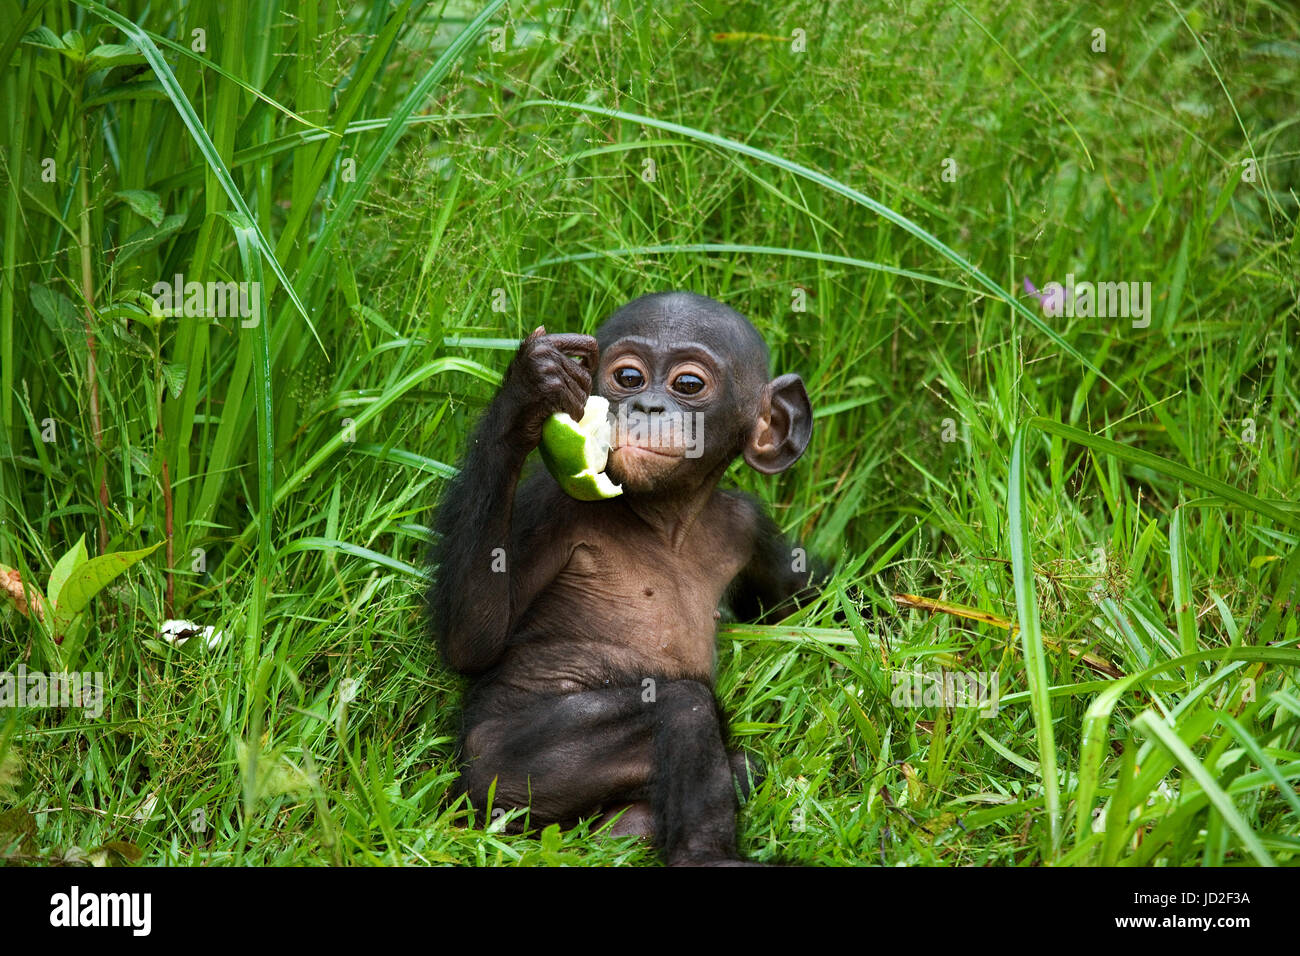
{"type": "Point", "coordinates": [659, 452]}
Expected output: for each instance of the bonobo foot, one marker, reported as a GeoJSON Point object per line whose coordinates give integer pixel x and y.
{"type": "Point", "coordinates": [638, 820]}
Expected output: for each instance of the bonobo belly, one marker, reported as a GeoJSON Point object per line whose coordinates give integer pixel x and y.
{"type": "Point", "coordinates": [574, 640]}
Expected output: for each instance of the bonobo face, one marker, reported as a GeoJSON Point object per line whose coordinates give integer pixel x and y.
{"type": "Point", "coordinates": [684, 376]}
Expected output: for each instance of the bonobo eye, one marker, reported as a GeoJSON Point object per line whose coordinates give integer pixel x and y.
{"type": "Point", "coordinates": [628, 377]}
{"type": "Point", "coordinates": [688, 384]}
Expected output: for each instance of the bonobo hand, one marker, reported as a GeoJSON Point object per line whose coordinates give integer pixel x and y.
{"type": "Point", "coordinates": [550, 373]}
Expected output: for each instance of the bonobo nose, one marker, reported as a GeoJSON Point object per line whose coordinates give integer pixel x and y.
{"type": "Point", "coordinates": [648, 402]}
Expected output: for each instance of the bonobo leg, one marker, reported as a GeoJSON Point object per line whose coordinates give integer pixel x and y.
{"type": "Point", "coordinates": [568, 756]}
{"type": "Point", "coordinates": [638, 820]}
{"type": "Point", "coordinates": [561, 756]}
{"type": "Point", "coordinates": [693, 796]}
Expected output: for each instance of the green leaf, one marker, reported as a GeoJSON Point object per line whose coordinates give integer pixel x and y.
{"type": "Point", "coordinates": [45, 38]}
{"type": "Point", "coordinates": [248, 88]}
{"type": "Point", "coordinates": [63, 568]}
{"type": "Point", "coordinates": [733, 247]}
{"type": "Point", "coordinates": [18, 31]}
{"type": "Point", "coordinates": [144, 88]}
{"type": "Point", "coordinates": [125, 311]}
{"type": "Point", "coordinates": [551, 839]}
{"type": "Point", "coordinates": [89, 579]}
{"type": "Point", "coordinates": [144, 203]}
{"type": "Point", "coordinates": [1257, 754]}
{"type": "Point", "coordinates": [142, 240]}
{"type": "Point", "coordinates": [108, 55]}
{"type": "Point", "coordinates": [55, 308]}
{"type": "Point", "coordinates": [174, 375]}
{"type": "Point", "coordinates": [245, 237]}
{"type": "Point", "coordinates": [75, 44]}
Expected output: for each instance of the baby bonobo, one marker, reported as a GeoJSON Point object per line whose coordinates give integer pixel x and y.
{"type": "Point", "coordinates": [588, 628]}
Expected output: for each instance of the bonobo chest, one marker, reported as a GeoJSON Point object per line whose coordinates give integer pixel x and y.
{"type": "Point", "coordinates": [648, 603]}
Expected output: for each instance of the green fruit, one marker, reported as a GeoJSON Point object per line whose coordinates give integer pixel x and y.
{"type": "Point", "coordinates": [589, 486]}
{"type": "Point", "coordinates": [576, 452]}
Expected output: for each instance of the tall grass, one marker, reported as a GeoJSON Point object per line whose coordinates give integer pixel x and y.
{"type": "Point", "coordinates": [1099, 512]}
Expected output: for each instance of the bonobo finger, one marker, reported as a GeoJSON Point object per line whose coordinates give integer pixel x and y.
{"type": "Point", "coordinates": [583, 348]}
{"type": "Point", "coordinates": [575, 399]}
{"type": "Point", "coordinates": [577, 385]}
{"type": "Point", "coordinates": [576, 373]}
{"type": "Point", "coordinates": [532, 337]}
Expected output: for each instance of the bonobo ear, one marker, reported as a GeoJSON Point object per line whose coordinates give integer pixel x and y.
{"type": "Point", "coordinates": [782, 426]}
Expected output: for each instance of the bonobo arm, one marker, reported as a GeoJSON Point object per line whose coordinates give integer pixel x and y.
{"type": "Point", "coordinates": [479, 592]}
{"type": "Point", "coordinates": [772, 584]}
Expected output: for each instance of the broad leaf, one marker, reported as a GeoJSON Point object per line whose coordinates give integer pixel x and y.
{"type": "Point", "coordinates": [73, 559]}
{"type": "Point", "coordinates": [89, 579]}
{"type": "Point", "coordinates": [144, 203]}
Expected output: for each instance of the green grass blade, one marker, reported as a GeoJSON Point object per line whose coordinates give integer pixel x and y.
{"type": "Point", "coordinates": [1031, 638]}
{"type": "Point", "coordinates": [355, 550]}
{"type": "Point", "coordinates": [1184, 610]}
